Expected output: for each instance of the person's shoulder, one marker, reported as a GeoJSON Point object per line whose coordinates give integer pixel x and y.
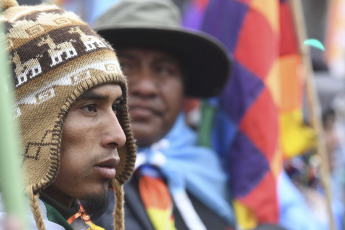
{"type": "Point", "coordinates": [31, 221]}
{"type": "Point", "coordinates": [47, 222]}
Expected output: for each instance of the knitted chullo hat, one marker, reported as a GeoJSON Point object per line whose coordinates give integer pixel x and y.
{"type": "Point", "coordinates": [56, 57]}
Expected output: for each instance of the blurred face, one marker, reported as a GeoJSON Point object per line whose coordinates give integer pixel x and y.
{"type": "Point", "coordinates": [332, 142]}
{"type": "Point", "coordinates": [91, 136]}
{"type": "Point", "coordinates": [155, 87]}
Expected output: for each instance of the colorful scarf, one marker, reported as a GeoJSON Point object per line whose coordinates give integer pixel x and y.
{"type": "Point", "coordinates": [156, 198]}
{"type": "Point", "coordinates": [187, 166]}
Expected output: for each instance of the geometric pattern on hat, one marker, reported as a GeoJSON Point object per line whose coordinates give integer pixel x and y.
{"type": "Point", "coordinates": [72, 78]}
{"type": "Point", "coordinates": [52, 51]}
{"type": "Point", "coordinates": [55, 58]}
{"type": "Point", "coordinates": [33, 148]}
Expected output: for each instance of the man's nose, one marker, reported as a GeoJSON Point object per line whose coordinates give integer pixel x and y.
{"type": "Point", "coordinates": [144, 85]}
{"type": "Point", "coordinates": [113, 135]}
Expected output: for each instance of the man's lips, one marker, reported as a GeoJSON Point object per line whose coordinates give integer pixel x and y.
{"type": "Point", "coordinates": [142, 111]}
{"type": "Point", "coordinates": [107, 168]}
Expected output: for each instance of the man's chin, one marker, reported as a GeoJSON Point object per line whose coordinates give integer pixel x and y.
{"type": "Point", "coordinates": [95, 204]}
{"type": "Point", "coordinates": [146, 136]}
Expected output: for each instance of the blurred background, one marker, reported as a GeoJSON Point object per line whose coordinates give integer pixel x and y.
{"type": "Point", "coordinates": [299, 156]}
{"type": "Point", "coordinates": [319, 25]}
{"type": "Point", "coordinates": [327, 72]}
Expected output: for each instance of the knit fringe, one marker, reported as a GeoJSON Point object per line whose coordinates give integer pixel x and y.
{"type": "Point", "coordinates": [119, 205]}
{"type": "Point", "coordinates": [35, 208]}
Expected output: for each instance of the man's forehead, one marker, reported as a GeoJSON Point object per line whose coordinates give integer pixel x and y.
{"type": "Point", "coordinates": [103, 91]}
{"type": "Point", "coordinates": [155, 51]}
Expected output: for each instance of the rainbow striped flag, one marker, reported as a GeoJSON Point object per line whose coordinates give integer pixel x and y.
{"type": "Point", "coordinates": [258, 120]}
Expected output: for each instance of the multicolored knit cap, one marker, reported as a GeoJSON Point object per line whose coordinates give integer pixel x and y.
{"type": "Point", "coordinates": [55, 58]}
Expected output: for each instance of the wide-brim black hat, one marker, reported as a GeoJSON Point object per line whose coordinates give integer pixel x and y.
{"type": "Point", "coordinates": [156, 24]}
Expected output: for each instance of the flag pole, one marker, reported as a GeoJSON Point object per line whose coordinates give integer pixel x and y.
{"type": "Point", "coordinates": [12, 182]}
{"type": "Point", "coordinates": [313, 103]}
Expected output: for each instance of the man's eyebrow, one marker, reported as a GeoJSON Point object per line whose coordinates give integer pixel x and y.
{"type": "Point", "coordinates": [160, 59]}
{"type": "Point", "coordinates": [167, 59]}
{"type": "Point", "coordinates": [90, 95]}
{"type": "Point", "coordinates": [127, 56]}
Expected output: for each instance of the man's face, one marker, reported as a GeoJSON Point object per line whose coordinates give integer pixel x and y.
{"type": "Point", "coordinates": [331, 141]}
{"type": "Point", "coordinates": [91, 136]}
{"type": "Point", "coordinates": [155, 88]}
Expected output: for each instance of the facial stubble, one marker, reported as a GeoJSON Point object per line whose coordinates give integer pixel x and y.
{"type": "Point", "coordinates": [96, 204]}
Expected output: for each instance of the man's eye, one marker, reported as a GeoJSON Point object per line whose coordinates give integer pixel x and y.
{"type": "Point", "coordinates": [126, 67]}
{"type": "Point", "coordinates": [123, 65]}
{"type": "Point", "coordinates": [166, 70]}
{"type": "Point", "coordinates": [163, 70]}
{"type": "Point", "coordinates": [90, 108]}
{"type": "Point", "coordinates": [117, 107]}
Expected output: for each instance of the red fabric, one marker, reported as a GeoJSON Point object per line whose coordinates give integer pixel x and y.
{"type": "Point", "coordinates": [154, 193]}
{"type": "Point", "coordinates": [257, 46]}
{"type": "Point", "coordinates": [262, 128]}
{"type": "Point", "coordinates": [268, 205]}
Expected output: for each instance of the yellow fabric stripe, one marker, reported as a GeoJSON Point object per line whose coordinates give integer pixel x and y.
{"type": "Point", "coordinates": [158, 218]}
{"type": "Point", "coordinates": [245, 217]}
{"type": "Point", "coordinates": [295, 136]}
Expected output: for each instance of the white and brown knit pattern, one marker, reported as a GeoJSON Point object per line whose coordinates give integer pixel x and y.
{"type": "Point", "coordinates": [55, 58]}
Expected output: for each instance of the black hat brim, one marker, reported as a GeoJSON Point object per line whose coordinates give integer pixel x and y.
{"type": "Point", "coordinates": [204, 60]}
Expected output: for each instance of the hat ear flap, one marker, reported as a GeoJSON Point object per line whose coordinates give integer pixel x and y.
{"type": "Point", "coordinates": [5, 4]}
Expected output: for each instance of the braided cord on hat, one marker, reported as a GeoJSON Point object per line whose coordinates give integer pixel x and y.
{"type": "Point", "coordinates": [119, 204]}
{"type": "Point", "coordinates": [35, 208]}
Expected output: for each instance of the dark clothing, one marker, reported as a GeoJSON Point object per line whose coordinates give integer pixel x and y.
{"type": "Point", "coordinates": [65, 212]}
{"type": "Point", "coordinates": [183, 165]}
{"type": "Point", "coordinates": [136, 217]}
{"type": "Point", "coordinates": [59, 213]}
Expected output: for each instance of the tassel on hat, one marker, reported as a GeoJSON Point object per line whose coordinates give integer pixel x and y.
{"type": "Point", "coordinates": [55, 58]}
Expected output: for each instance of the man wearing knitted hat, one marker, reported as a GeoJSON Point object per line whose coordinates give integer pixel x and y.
{"type": "Point", "coordinates": [176, 184]}
{"type": "Point", "coordinates": [71, 104]}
